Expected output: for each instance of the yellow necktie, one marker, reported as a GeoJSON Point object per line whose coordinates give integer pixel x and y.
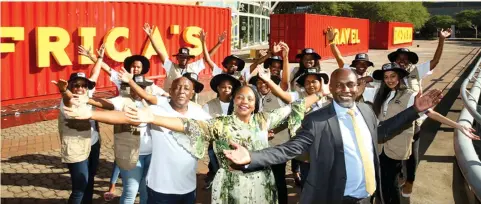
{"type": "Point", "coordinates": [367, 163]}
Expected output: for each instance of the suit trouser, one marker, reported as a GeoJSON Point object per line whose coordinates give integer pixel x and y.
{"type": "Point", "coordinates": [390, 169]}
{"type": "Point", "coordinates": [279, 171]}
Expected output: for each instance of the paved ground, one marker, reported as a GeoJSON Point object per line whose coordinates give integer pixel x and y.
{"type": "Point", "coordinates": [33, 173]}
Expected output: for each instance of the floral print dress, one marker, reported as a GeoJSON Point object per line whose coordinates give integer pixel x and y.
{"type": "Point", "coordinates": [232, 186]}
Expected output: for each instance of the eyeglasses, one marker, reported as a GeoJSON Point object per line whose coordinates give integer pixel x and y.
{"type": "Point", "coordinates": [79, 86]}
{"type": "Point", "coordinates": [349, 85]}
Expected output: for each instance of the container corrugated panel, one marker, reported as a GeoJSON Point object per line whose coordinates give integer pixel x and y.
{"type": "Point", "coordinates": [307, 30]}
{"type": "Point", "coordinates": [382, 35]}
{"type": "Point", "coordinates": [23, 81]}
{"type": "Point", "coordinates": [378, 35]}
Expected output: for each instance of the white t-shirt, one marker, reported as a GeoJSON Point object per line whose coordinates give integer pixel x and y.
{"type": "Point", "coordinates": [94, 132]}
{"type": "Point", "coordinates": [172, 169]}
{"type": "Point", "coordinates": [114, 77]}
{"type": "Point", "coordinates": [145, 147]}
{"type": "Point", "coordinates": [223, 105]}
{"type": "Point", "coordinates": [423, 69]}
{"type": "Point", "coordinates": [197, 66]}
{"type": "Point", "coordinates": [245, 72]}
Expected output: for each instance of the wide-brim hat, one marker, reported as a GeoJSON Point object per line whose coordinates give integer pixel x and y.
{"type": "Point", "coordinates": [185, 52]}
{"type": "Point", "coordinates": [217, 79]}
{"type": "Point", "coordinates": [272, 59]}
{"type": "Point", "coordinates": [361, 57]}
{"type": "Point", "coordinates": [145, 63]}
{"type": "Point", "coordinates": [142, 81]}
{"type": "Point", "coordinates": [308, 51]}
{"type": "Point", "coordinates": [253, 80]}
{"type": "Point", "coordinates": [81, 75]}
{"type": "Point", "coordinates": [379, 74]}
{"type": "Point", "coordinates": [301, 79]}
{"type": "Point", "coordinates": [240, 62]}
{"type": "Point", "coordinates": [198, 87]}
{"type": "Point", "coordinates": [412, 56]}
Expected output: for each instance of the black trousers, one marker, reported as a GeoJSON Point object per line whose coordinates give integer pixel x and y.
{"type": "Point", "coordinates": [279, 171]}
{"type": "Point", "coordinates": [413, 161]}
{"type": "Point", "coordinates": [390, 170]}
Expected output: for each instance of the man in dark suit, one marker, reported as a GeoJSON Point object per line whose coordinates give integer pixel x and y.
{"type": "Point", "coordinates": [341, 170]}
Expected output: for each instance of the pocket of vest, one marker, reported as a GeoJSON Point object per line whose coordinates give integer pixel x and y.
{"type": "Point", "coordinates": [127, 146]}
{"type": "Point", "coordinates": [75, 145]}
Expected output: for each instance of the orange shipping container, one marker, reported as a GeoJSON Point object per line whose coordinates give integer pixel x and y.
{"type": "Point", "coordinates": [40, 39]}
{"type": "Point", "coordinates": [390, 35]}
{"type": "Point", "coordinates": [300, 31]}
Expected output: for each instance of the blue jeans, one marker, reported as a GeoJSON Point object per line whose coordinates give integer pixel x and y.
{"type": "Point", "coordinates": [82, 175]}
{"type": "Point", "coordinates": [115, 174]}
{"type": "Point", "coordinates": [160, 198]}
{"type": "Point", "coordinates": [133, 181]}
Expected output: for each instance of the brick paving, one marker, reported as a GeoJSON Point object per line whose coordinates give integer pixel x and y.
{"type": "Point", "coordinates": [32, 172]}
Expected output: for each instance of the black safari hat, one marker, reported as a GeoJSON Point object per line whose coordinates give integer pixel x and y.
{"type": "Point", "coordinates": [240, 62]}
{"type": "Point", "coordinates": [183, 51]}
{"type": "Point", "coordinates": [379, 74]}
{"type": "Point", "coordinates": [412, 56]}
{"type": "Point", "coordinates": [81, 75]}
{"type": "Point", "coordinates": [145, 63]}
{"type": "Point", "coordinates": [312, 71]}
{"type": "Point", "coordinates": [198, 87]}
{"type": "Point", "coordinates": [361, 57]}
{"type": "Point", "coordinates": [142, 81]}
{"type": "Point", "coordinates": [272, 59]}
{"type": "Point", "coordinates": [308, 51]}
{"type": "Point", "coordinates": [253, 80]}
{"type": "Point", "coordinates": [217, 79]}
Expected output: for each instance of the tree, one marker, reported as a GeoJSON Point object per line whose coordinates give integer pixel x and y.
{"type": "Point", "coordinates": [469, 19]}
{"type": "Point", "coordinates": [413, 12]}
{"type": "Point", "coordinates": [437, 22]}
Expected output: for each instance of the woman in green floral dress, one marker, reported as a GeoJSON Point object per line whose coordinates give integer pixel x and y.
{"type": "Point", "coordinates": [246, 126]}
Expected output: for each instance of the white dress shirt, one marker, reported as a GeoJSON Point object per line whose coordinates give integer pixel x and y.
{"type": "Point", "coordinates": [355, 181]}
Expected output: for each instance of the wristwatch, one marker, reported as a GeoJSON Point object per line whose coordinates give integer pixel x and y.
{"type": "Point", "coordinates": [319, 96]}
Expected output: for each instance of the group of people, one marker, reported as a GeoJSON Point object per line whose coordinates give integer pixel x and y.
{"type": "Point", "coordinates": [354, 129]}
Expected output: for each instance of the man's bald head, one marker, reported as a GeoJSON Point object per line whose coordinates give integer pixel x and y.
{"type": "Point", "coordinates": [343, 87]}
{"type": "Point", "coordinates": [181, 92]}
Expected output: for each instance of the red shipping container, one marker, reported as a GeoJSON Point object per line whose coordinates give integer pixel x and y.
{"type": "Point", "coordinates": [23, 27]}
{"type": "Point", "coordinates": [390, 35]}
{"type": "Point", "coordinates": [301, 31]}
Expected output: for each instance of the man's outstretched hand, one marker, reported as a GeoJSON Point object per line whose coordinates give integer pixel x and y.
{"type": "Point", "coordinates": [239, 155]}
{"type": "Point", "coordinates": [427, 100]}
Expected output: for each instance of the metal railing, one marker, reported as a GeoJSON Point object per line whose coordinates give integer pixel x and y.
{"type": "Point", "coordinates": [466, 156]}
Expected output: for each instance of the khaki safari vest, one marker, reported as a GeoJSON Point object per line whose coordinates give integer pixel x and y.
{"type": "Point", "coordinates": [215, 109]}
{"type": "Point", "coordinates": [75, 139]}
{"type": "Point", "coordinates": [399, 147]}
{"type": "Point", "coordinates": [127, 137]}
{"type": "Point", "coordinates": [414, 83]}
{"type": "Point", "coordinates": [269, 103]}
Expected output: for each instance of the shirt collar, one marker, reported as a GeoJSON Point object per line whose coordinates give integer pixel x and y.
{"type": "Point", "coordinates": [341, 111]}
